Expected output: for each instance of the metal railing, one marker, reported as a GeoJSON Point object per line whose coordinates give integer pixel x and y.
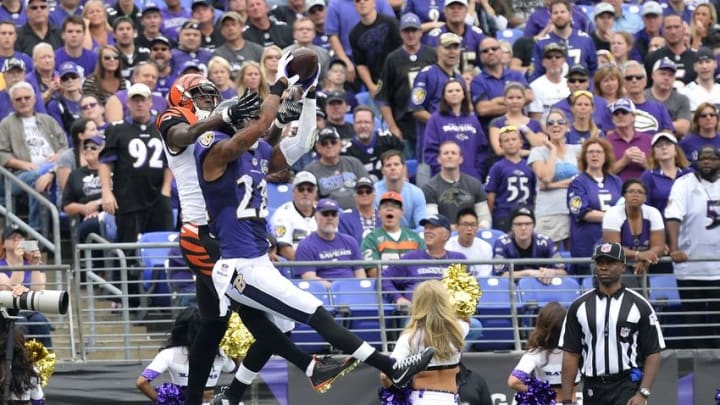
{"type": "Point", "coordinates": [135, 333]}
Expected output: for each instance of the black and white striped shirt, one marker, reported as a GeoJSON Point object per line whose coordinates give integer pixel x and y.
{"type": "Point", "coordinates": [611, 334]}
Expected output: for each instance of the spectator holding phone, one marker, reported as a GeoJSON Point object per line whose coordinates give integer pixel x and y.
{"type": "Point", "coordinates": [17, 252]}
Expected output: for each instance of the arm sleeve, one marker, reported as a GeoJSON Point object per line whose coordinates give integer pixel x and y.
{"type": "Point", "coordinates": [527, 363]}
{"type": "Point", "coordinates": [677, 202]}
{"type": "Point", "coordinates": [418, 95]}
{"type": "Point", "coordinates": [477, 90]}
{"type": "Point", "coordinates": [578, 201]}
{"type": "Point", "coordinates": [390, 287]}
{"type": "Point", "coordinates": [283, 231]}
{"type": "Point", "coordinates": [570, 334]}
{"type": "Point", "coordinates": [656, 219]}
{"type": "Point", "coordinates": [650, 337]}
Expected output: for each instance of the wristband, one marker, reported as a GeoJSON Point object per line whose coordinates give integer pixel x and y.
{"type": "Point", "coordinates": [279, 124]}
{"type": "Point", "coordinates": [278, 88]}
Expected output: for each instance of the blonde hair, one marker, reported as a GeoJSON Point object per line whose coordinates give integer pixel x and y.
{"type": "Point", "coordinates": [264, 56]}
{"type": "Point", "coordinates": [264, 90]}
{"type": "Point", "coordinates": [100, 4]}
{"type": "Point", "coordinates": [433, 319]}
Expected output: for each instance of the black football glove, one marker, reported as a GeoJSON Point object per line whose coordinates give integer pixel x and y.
{"type": "Point", "coordinates": [247, 107]}
{"type": "Point", "coordinates": [289, 111]}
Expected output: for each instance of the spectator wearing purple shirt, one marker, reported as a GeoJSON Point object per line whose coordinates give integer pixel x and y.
{"type": "Point", "coordinates": [363, 218]}
{"type": "Point", "coordinates": [629, 146]}
{"type": "Point", "coordinates": [428, 85]}
{"type": "Point", "coordinates": [454, 121]}
{"type": "Point", "coordinates": [326, 244]}
{"type": "Point", "coordinates": [487, 88]}
{"type": "Point", "coordinates": [677, 8]}
{"type": "Point", "coordinates": [65, 107]}
{"type": "Point", "coordinates": [12, 11]}
{"type": "Point", "coordinates": [522, 242]}
{"type": "Point", "coordinates": [578, 79]}
{"type": "Point", "coordinates": [511, 182]}
{"type": "Point", "coordinates": [589, 196]}
{"type": "Point", "coordinates": [173, 17]}
{"type": "Point", "coordinates": [538, 22]}
{"type": "Point", "coordinates": [703, 131]}
{"type": "Point", "coordinates": [456, 12]}
{"type": "Point", "coordinates": [579, 46]}
{"type": "Point", "coordinates": [400, 280]}
{"type": "Point", "coordinates": [583, 109]}
{"type": "Point", "coordinates": [73, 31]}
{"type": "Point", "coordinates": [64, 9]}
{"type": "Point", "coordinates": [341, 17]}
{"type": "Point", "coordinates": [8, 39]}
{"type": "Point", "coordinates": [189, 42]}
{"type": "Point", "coordinates": [666, 163]}
{"type": "Point", "coordinates": [650, 115]}
{"type": "Point", "coordinates": [13, 71]}
{"type": "Point", "coordinates": [514, 100]}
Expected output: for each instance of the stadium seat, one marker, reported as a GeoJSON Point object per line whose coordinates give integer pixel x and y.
{"type": "Point", "coordinates": [536, 294]}
{"type": "Point", "coordinates": [356, 300]}
{"type": "Point", "coordinates": [108, 227]}
{"type": "Point", "coordinates": [304, 336]}
{"type": "Point", "coordinates": [278, 194]}
{"type": "Point", "coordinates": [494, 312]}
{"type": "Point", "coordinates": [510, 35]}
{"type": "Point", "coordinates": [587, 283]}
{"type": "Point", "coordinates": [411, 167]}
{"type": "Point", "coordinates": [490, 235]}
{"type": "Point", "coordinates": [664, 296]}
{"type": "Point", "coordinates": [154, 278]}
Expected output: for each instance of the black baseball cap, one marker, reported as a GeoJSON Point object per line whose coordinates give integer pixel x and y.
{"type": "Point", "coordinates": [9, 230]}
{"type": "Point", "coordinates": [522, 211]}
{"type": "Point", "coordinates": [611, 250]}
{"type": "Point", "coordinates": [437, 220]}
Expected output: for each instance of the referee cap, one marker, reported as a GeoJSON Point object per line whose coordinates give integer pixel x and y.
{"type": "Point", "coordinates": [610, 249]}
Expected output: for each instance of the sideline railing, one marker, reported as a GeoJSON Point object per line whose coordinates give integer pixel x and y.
{"type": "Point", "coordinates": [133, 333]}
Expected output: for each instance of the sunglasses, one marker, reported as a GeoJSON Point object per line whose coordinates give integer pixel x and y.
{"type": "Point", "coordinates": [88, 106]}
{"type": "Point", "coordinates": [329, 213]}
{"type": "Point", "coordinates": [305, 189]}
{"type": "Point", "coordinates": [491, 49]}
{"type": "Point", "coordinates": [327, 142]}
{"type": "Point", "coordinates": [38, 7]}
{"type": "Point", "coordinates": [23, 98]}
{"type": "Point", "coordinates": [577, 80]}
{"type": "Point", "coordinates": [111, 57]}
{"type": "Point", "coordinates": [364, 191]}
{"type": "Point", "coordinates": [634, 77]}
{"type": "Point", "coordinates": [556, 122]}
{"type": "Point", "coordinates": [67, 78]}
{"type": "Point", "coordinates": [707, 115]}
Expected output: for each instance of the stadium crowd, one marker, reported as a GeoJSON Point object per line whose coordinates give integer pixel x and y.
{"type": "Point", "coordinates": [591, 125]}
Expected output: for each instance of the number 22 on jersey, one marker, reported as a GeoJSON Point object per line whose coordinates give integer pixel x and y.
{"type": "Point", "coordinates": [254, 198]}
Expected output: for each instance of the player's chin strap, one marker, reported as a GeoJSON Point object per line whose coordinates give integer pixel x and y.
{"type": "Point", "coordinates": [294, 147]}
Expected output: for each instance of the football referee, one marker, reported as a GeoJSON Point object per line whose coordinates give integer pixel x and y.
{"type": "Point", "coordinates": [616, 333]}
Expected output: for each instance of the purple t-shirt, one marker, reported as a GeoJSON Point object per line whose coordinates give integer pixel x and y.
{"type": "Point", "coordinates": [86, 61]}
{"type": "Point", "coordinates": [692, 143]}
{"type": "Point", "coordinates": [600, 112]}
{"type": "Point", "coordinates": [27, 277]}
{"type": "Point", "coordinates": [513, 185]}
{"type": "Point", "coordinates": [201, 57]}
{"type": "Point", "coordinates": [540, 18]}
{"type": "Point", "coordinates": [652, 116]}
{"type": "Point", "coordinates": [172, 21]}
{"type": "Point", "coordinates": [400, 281]}
{"type": "Point", "coordinates": [314, 248]}
{"type": "Point", "coordinates": [471, 39]}
{"type": "Point", "coordinates": [486, 86]}
{"type": "Point", "coordinates": [352, 224]}
{"type": "Point", "coordinates": [19, 18]}
{"type": "Point", "coordinates": [58, 15]}
{"type": "Point", "coordinates": [642, 141]}
{"type": "Point", "coordinates": [658, 186]}
{"type": "Point", "coordinates": [341, 17]}
{"type": "Point", "coordinates": [580, 49]}
{"type": "Point", "coordinates": [465, 130]}
{"type": "Point", "coordinates": [585, 194]}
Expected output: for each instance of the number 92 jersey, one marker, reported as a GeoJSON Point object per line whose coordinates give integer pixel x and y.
{"type": "Point", "coordinates": [236, 202]}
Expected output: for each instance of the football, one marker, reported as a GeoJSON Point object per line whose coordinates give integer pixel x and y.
{"type": "Point", "coordinates": [304, 63]}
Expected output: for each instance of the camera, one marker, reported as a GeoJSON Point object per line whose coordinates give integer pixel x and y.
{"type": "Point", "coordinates": [29, 245]}
{"type": "Point", "coordinates": [46, 301]}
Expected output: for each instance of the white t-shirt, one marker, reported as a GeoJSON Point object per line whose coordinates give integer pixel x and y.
{"type": "Point", "coordinates": [616, 216]}
{"type": "Point", "coordinates": [543, 365]}
{"type": "Point", "coordinates": [289, 226]}
{"type": "Point", "coordinates": [479, 250]}
{"type": "Point", "coordinates": [546, 94]}
{"type": "Point", "coordinates": [174, 360]}
{"type": "Point", "coordinates": [697, 94]}
{"type": "Point", "coordinates": [696, 204]}
{"type": "Point", "coordinates": [404, 349]}
{"type": "Point", "coordinates": [36, 142]}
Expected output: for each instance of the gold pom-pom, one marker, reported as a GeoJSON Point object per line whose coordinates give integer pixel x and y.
{"type": "Point", "coordinates": [464, 289]}
{"type": "Point", "coordinates": [237, 339]}
{"type": "Point", "coordinates": [44, 360]}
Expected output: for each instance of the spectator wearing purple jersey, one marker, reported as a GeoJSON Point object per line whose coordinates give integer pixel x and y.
{"type": "Point", "coordinates": [326, 244]}
{"type": "Point", "coordinates": [116, 106]}
{"type": "Point", "coordinates": [64, 9]}
{"type": "Point", "coordinates": [428, 84]}
{"type": "Point", "coordinates": [639, 228]}
{"type": "Point", "coordinates": [583, 126]}
{"type": "Point", "coordinates": [8, 40]}
{"type": "Point", "coordinates": [455, 121]}
{"type": "Point", "coordinates": [578, 79]}
{"type": "Point", "coordinates": [664, 92]}
{"type": "Point", "coordinates": [487, 88]}
{"type": "Point", "coordinates": [363, 218]}
{"type": "Point", "coordinates": [43, 77]}
{"type": "Point", "coordinates": [99, 28]}
{"type": "Point", "coordinates": [400, 280]}
{"type": "Point", "coordinates": [608, 85]}
{"type": "Point", "coordinates": [514, 100]}
{"type": "Point", "coordinates": [12, 11]}
{"type": "Point", "coordinates": [173, 17]}
{"type": "Point", "coordinates": [189, 46]}
{"type": "Point", "coordinates": [522, 242]}
{"type": "Point", "coordinates": [340, 18]}
{"type": "Point", "coordinates": [579, 46]}
{"type": "Point", "coordinates": [554, 165]}
{"type": "Point", "coordinates": [511, 182]}
{"type": "Point", "coordinates": [73, 31]}
{"type": "Point", "coordinates": [705, 130]}
{"type": "Point", "coordinates": [451, 190]}
{"type": "Point", "coordinates": [13, 71]}
{"type": "Point", "coordinates": [666, 163]}
{"type": "Point", "coordinates": [630, 147]}
{"type": "Point", "coordinates": [589, 196]}
{"type": "Point", "coordinates": [65, 108]}
{"type": "Point", "coordinates": [539, 23]}
{"type": "Point", "coordinates": [456, 13]}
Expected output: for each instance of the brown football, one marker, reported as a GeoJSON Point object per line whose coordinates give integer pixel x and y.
{"type": "Point", "coordinates": [304, 63]}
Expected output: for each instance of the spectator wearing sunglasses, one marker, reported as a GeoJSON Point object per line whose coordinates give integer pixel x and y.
{"type": "Point", "coordinates": [293, 221]}
{"type": "Point", "coordinates": [650, 116]}
{"type": "Point", "coordinates": [72, 158]}
{"type": "Point", "coordinates": [705, 130]}
{"type": "Point", "coordinates": [326, 244]}
{"type": "Point", "coordinates": [37, 29]}
{"type": "Point", "coordinates": [65, 107]}
{"type": "Point", "coordinates": [82, 192]}
{"type": "Point", "coordinates": [630, 147]}
{"type": "Point", "coordinates": [578, 79]}
{"type": "Point", "coordinates": [14, 71]}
